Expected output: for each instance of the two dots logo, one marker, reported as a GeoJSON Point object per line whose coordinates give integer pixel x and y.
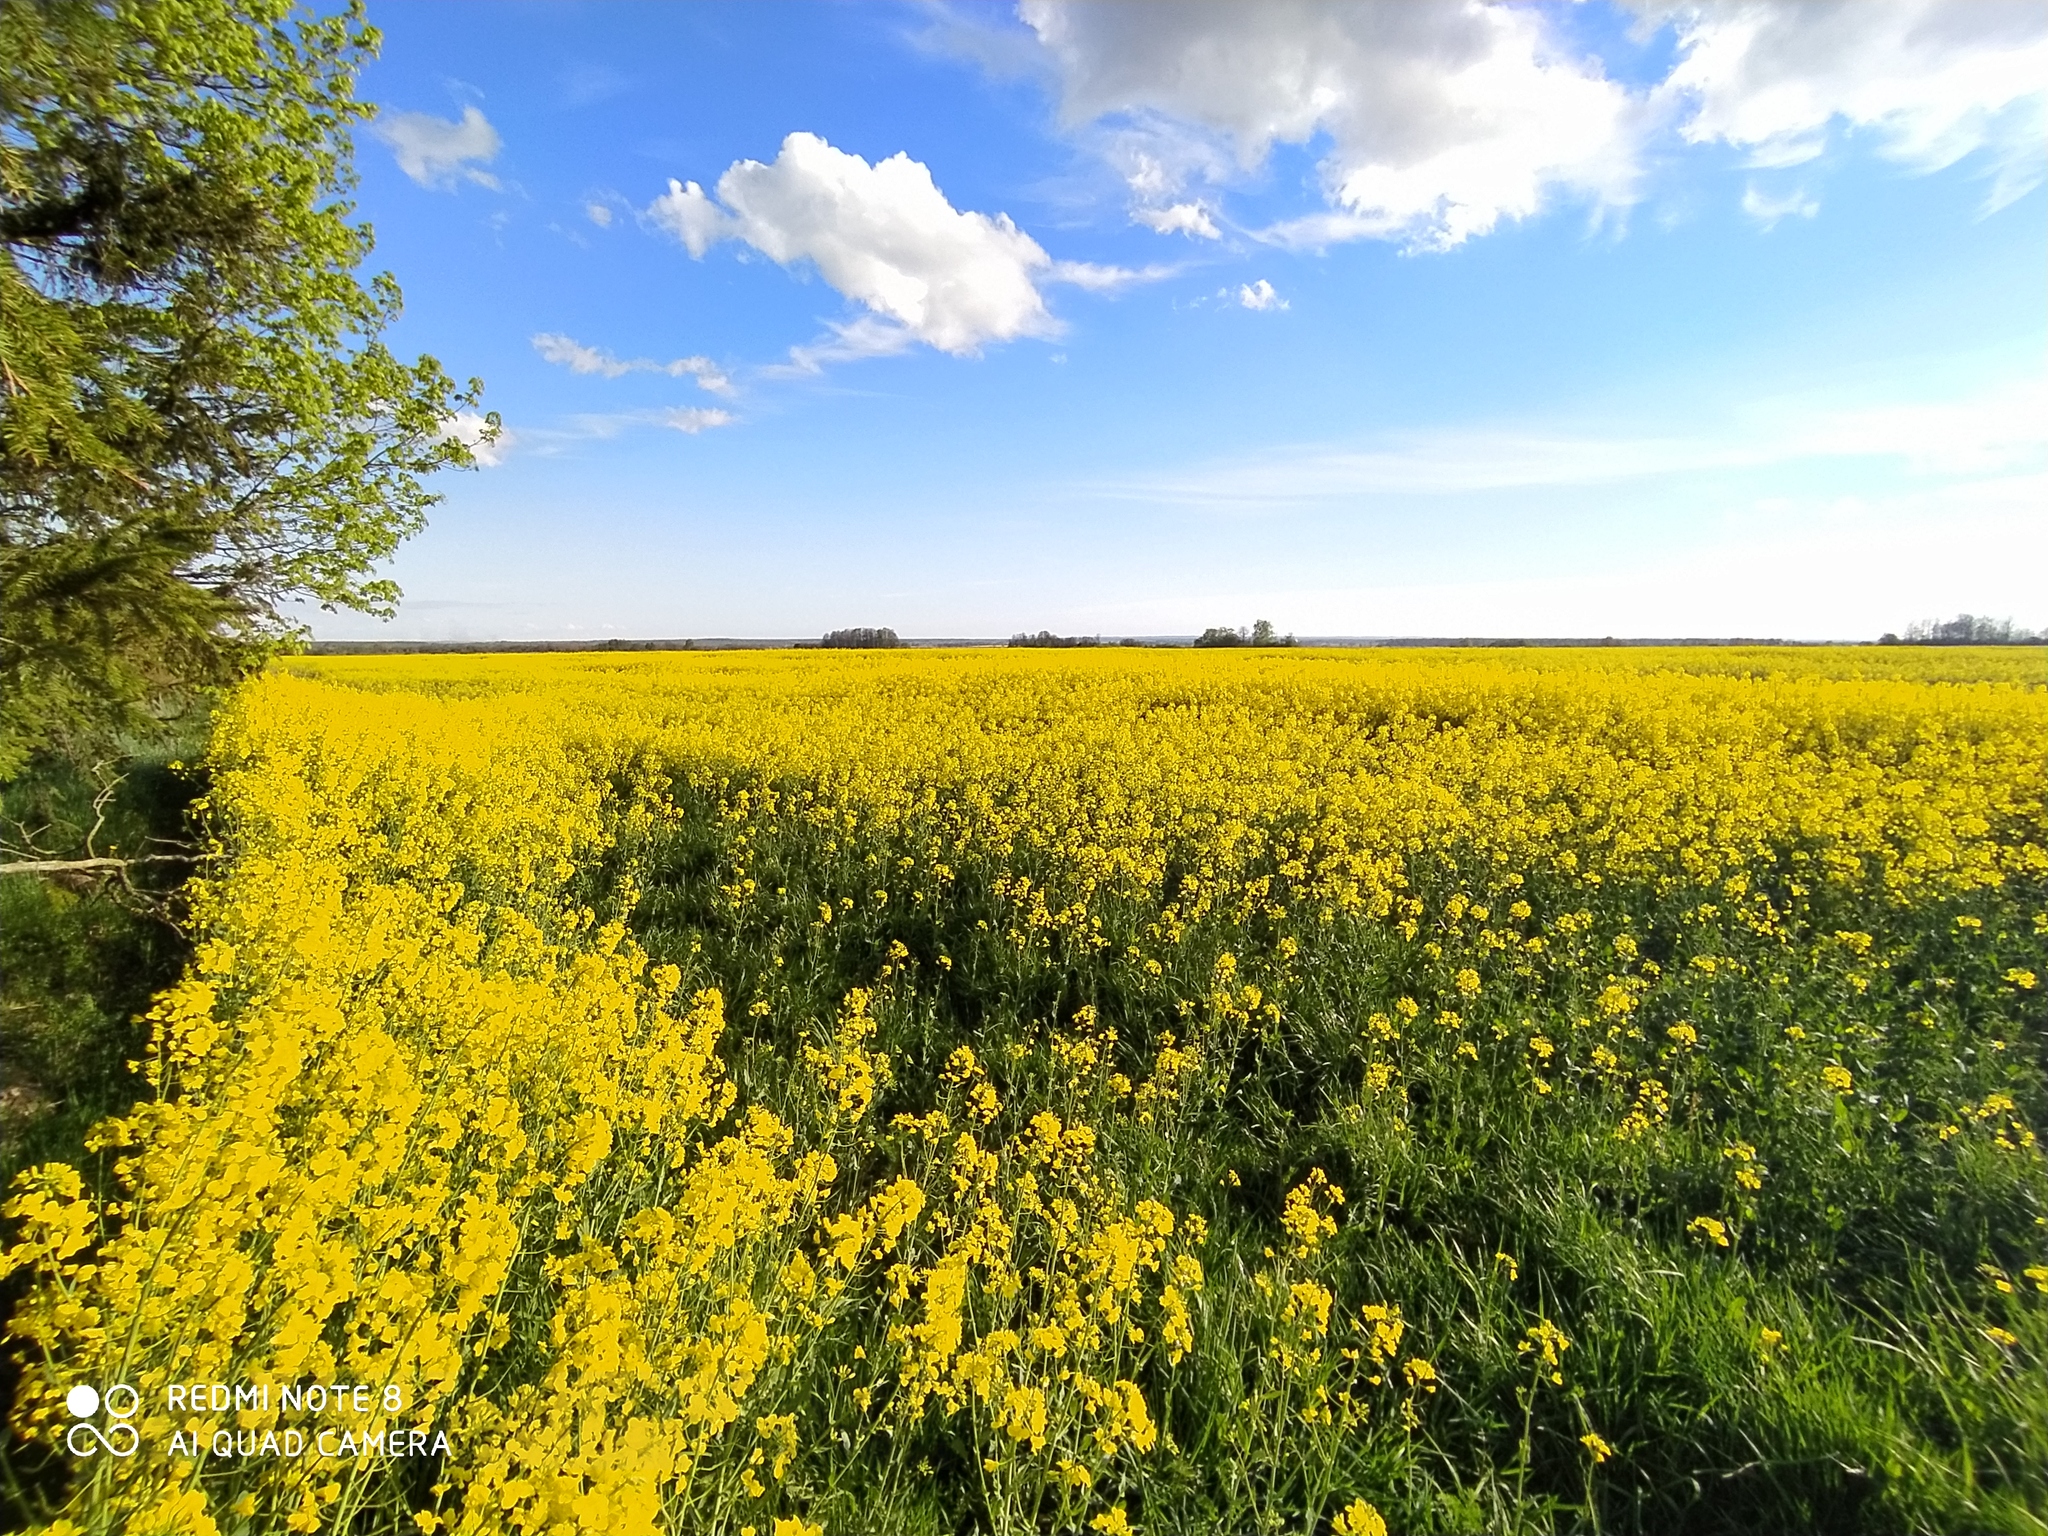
{"type": "Point", "coordinates": [87, 1438]}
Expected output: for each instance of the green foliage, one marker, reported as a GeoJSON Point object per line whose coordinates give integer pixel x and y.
{"type": "Point", "coordinates": [866, 639]}
{"type": "Point", "coordinates": [1045, 639]}
{"type": "Point", "coordinates": [81, 958]}
{"type": "Point", "coordinates": [198, 423]}
{"type": "Point", "coordinates": [1966, 629]}
{"type": "Point", "coordinates": [1262, 633]}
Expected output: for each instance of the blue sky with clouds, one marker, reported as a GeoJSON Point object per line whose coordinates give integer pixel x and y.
{"type": "Point", "coordinates": [1411, 318]}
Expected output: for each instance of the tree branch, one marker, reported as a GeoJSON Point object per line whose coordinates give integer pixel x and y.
{"type": "Point", "coordinates": [83, 866]}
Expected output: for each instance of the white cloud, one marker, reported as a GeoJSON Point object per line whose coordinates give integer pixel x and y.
{"type": "Point", "coordinates": [707, 373]}
{"type": "Point", "coordinates": [694, 419]}
{"type": "Point", "coordinates": [1095, 278]}
{"type": "Point", "coordinates": [1435, 122]}
{"type": "Point", "coordinates": [850, 342]}
{"type": "Point", "coordinates": [1931, 80]}
{"type": "Point", "coordinates": [437, 152]}
{"type": "Point", "coordinates": [1190, 219]}
{"type": "Point", "coordinates": [1999, 430]}
{"type": "Point", "coordinates": [685, 212]}
{"type": "Point", "coordinates": [599, 214]}
{"type": "Point", "coordinates": [578, 358]}
{"type": "Point", "coordinates": [469, 427]}
{"type": "Point", "coordinates": [883, 235]}
{"type": "Point", "coordinates": [1767, 209]}
{"type": "Point", "coordinates": [1442, 119]}
{"type": "Point", "coordinates": [1260, 295]}
{"type": "Point", "coordinates": [604, 426]}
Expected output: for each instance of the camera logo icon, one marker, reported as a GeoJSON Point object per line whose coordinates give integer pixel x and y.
{"type": "Point", "coordinates": [119, 1437]}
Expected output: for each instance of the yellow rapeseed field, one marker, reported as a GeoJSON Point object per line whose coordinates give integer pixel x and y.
{"type": "Point", "coordinates": [782, 1093]}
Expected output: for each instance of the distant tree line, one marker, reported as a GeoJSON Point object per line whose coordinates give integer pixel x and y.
{"type": "Point", "coordinates": [861, 640]}
{"type": "Point", "coordinates": [1965, 629]}
{"type": "Point", "coordinates": [1261, 633]}
{"type": "Point", "coordinates": [1046, 639]}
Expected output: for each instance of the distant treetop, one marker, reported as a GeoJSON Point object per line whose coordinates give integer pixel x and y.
{"type": "Point", "coordinates": [1966, 629]}
{"type": "Point", "coordinates": [1261, 633]}
{"type": "Point", "coordinates": [861, 640]}
{"type": "Point", "coordinates": [1046, 638]}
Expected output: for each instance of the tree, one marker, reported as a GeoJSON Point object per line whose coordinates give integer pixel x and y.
{"type": "Point", "coordinates": [861, 640]}
{"type": "Point", "coordinates": [1045, 639]}
{"type": "Point", "coordinates": [1970, 629]}
{"type": "Point", "coordinates": [199, 426]}
{"type": "Point", "coordinates": [1261, 633]}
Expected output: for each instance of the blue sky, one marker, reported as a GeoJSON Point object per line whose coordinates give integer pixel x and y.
{"type": "Point", "coordinates": [1413, 318]}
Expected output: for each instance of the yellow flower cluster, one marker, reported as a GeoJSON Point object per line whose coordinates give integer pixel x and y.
{"type": "Point", "coordinates": [407, 1084]}
{"type": "Point", "coordinates": [1036, 1289]}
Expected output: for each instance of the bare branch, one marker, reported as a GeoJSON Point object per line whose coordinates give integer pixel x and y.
{"type": "Point", "coordinates": [85, 866]}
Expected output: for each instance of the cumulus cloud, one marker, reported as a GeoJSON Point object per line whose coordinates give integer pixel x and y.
{"type": "Point", "coordinates": [1441, 119]}
{"type": "Point", "coordinates": [685, 212]}
{"type": "Point", "coordinates": [1437, 122]}
{"type": "Point", "coordinates": [572, 354]}
{"type": "Point", "coordinates": [470, 428]}
{"type": "Point", "coordinates": [438, 152]}
{"type": "Point", "coordinates": [1260, 295]}
{"type": "Point", "coordinates": [1932, 81]}
{"type": "Point", "coordinates": [883, 235]}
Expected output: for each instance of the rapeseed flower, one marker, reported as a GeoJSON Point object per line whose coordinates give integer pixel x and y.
{"type": "Point", "coordinates": [417, 1110]}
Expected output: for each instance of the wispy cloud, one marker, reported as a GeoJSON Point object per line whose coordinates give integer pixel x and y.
{"type": "Point", "coordinates": [1767, 208]}
{"type": "Point", "coordinates": [847, 343]}
{"type": "Point", "coordinates": [584, 84]}
{"type": "Point", "coordinates": [572, 354]}
{"type": "Point", "coordinates": [1094, 277]}
{"type": "Point", "coordinates": [604, 426]}
{"type": "Point", "coordinates": [694, 419]}
{"type": "Point", "coordinates": [1996, 431]}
